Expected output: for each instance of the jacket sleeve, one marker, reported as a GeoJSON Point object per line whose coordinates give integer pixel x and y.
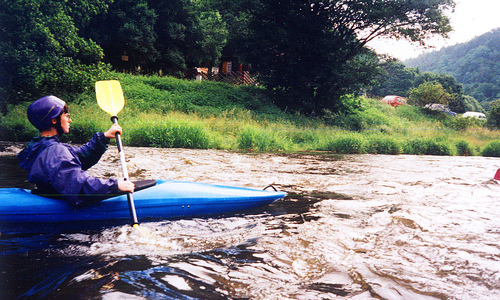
{"type": "Point", "coordinates": [90, 153]}
{"type": "Point", "coordinates": [67, 177]}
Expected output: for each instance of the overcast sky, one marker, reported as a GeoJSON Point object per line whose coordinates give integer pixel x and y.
{"type": "Point", "coordinates": [471, 18]}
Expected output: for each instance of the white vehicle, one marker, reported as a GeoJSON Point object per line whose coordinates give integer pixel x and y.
{"type": "Point", "coordinates": [474, 114]}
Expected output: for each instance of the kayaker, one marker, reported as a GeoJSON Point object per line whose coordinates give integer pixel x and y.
{"type": "Point", "coordinates": [58, 169]}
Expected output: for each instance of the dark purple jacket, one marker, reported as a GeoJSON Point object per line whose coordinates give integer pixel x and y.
{"type": "Point", "coordinates": [58, 168]}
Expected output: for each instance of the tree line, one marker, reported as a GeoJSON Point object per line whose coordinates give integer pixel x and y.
{"type": "Point", "coordinates": [475, 64]}
{"type": "Point", "coordinates": [423, 88]}
{"type": "Point", "coordinates": [307, 53]}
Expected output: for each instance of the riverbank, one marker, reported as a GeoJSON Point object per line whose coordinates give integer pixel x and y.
{"type": "Point", "coordinates": [171, 113]}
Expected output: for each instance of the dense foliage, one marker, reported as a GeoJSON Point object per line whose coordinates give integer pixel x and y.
{"type": "Point", "coordinates": [167, 36]}
{"type": "Point", "coordinates": [163, 111]}
{"type": "Point", "coordinates": [305, 61]}
{"type": "Point", "coordinates": [494, 114]}
{"type": "Point", "coordinates": [397, 79]}
{"type": "Point", "coordinates": [127, 28]}
{"type": "Point", "coordinates": [429, 93]}
{"type": "Point", "coordinates": [308, 53]}
{"type": "Point", "coordinates": [41, 51]}
{"type": "Point", "coordinates": [475, 64]}
{"type": "Point", "coordinates": [311, 53]}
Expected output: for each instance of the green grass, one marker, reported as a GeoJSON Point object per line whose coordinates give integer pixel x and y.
{"type": "Point", "coordinates": [168, 133]}
{"type": "Point", "coordinates": [174, 113]}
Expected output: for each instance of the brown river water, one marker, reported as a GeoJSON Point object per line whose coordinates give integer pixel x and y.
{"type": "Point", "coordinates": [351, 227]}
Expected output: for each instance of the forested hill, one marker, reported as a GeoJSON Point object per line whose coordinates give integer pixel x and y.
{"type": "Point", "coordinates": [475, 64]}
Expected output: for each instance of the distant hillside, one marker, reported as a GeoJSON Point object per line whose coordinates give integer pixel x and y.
{"type": "Point", "coordinates": [475, 64]}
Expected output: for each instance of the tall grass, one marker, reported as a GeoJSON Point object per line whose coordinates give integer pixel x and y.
{"type": "Point", "coordinates": [167, 133]}
{"type": "Point", "coordinates": [262, 140]}
{"type": "Point", "coordinates": [379, 144]}
{"type": "Point", "coordinates": [15, 125]}
{"type": "Point", "coordinates": [347, 143]}
{"type": "Point", "coordinates": [169, 112]}
{"type": "Point", "coordinates": [427, 147]}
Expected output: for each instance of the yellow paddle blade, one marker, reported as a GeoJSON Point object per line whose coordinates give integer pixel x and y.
{"type": "Point", "coordinates": [109, 96]}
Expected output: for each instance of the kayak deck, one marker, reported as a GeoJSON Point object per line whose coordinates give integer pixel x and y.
{"type": "Point", "coordinates": [167, 199]}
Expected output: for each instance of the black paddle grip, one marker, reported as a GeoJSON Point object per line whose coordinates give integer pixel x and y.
{"type": "Point", "coordinates": [114, 119]}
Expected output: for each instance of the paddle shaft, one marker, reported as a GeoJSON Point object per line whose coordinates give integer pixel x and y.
{"type": "Point", "coordinates": [130, 199]}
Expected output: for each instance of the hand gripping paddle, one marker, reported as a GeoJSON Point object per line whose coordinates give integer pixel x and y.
{"type": "Point", "coordinates": [110, 99]}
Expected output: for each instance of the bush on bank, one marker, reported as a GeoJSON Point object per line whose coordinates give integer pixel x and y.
{"type": "Point", "coordinates": [492, 149]}
{"type": "Point", "coordinates": [168, 112]}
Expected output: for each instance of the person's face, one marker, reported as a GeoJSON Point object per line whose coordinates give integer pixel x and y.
{"type": "Point", "coordinates": [65, 120]}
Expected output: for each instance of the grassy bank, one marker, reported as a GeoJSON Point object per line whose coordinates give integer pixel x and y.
{"type": "Point", "coordinates": [167, 112]}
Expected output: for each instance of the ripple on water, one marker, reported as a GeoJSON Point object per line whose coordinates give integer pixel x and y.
{"type": "Point", "coordinates": [356, 226]}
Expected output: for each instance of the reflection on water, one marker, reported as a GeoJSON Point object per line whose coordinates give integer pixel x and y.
{"type": "Point", "coordinates": [352, 227]}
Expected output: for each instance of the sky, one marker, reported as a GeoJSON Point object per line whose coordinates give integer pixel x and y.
{"type": "Point", "coordinates": [470, 18]}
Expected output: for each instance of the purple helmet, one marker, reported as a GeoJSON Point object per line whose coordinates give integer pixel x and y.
{"type": "Point", "coordinates": [42, 111]}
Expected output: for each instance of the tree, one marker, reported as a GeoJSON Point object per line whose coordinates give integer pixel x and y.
{"type": "Point", "coordinates": [304, 50]}
{"type": "Point", "coordinates": [189, 33]}
{"type": "Point", "coordinates": [448, 82]}
{"type": "Point", "coordinates": [456, 100]}
{"type": "Point", "coordinates": [400, 80]}
{"type": "Point", "coordinates": [493, 115]}
{"type": "Point", "coordinates": [470, 104]}
{"type": "Point", "coordinates": [126, 34]}
{"type": "Point", "coordinates": [475, 64]}
{"type": "Point", "coordinates": [167, 36]}
{"type": "Point", "coordinates": [237, 15]}
{"type": "Point", "coordinates": [209, 34]}
{"type": "Point", "coordinates": [396, 79]}
{"type": "Point", "coordinates": [41, 51]}
{"type": "Point", "coordinates": [428, 93]}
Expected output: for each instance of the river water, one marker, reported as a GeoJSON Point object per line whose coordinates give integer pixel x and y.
{"type": "Point", "coordinates": [351, 227]}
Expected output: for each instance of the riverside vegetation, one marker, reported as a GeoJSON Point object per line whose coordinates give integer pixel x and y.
{"type": "Point", "coordinates": [174, 113]}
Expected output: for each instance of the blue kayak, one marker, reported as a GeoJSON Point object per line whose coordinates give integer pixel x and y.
{"type": "Point", "coordinates": [166, 200]}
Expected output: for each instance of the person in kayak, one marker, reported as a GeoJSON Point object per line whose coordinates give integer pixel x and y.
{"type": "Point", "coordinates": [58, 169]}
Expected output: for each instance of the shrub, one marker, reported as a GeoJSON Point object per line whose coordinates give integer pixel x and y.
{"type": "Point", "coordinates": [429, 92]}
{"type": "Point", "coordinates": [494, 114]}
{"type": "Point", "coordinates": [17, 132]}
{"type": "Point", "coordinates": [414, 147]}
{"type": "Point", "coordinates": [427, 147]}
{"type": "Point", "coordinates": [492, 149]}
{"type": "Point", "coordinates": [169, 135]}
{"type": "Point", "coordinates": [262, 140]}
{"type": "Point", "coordinates": [462, 124]}
{"type": "Point", "coordinates": [351, 144]}
{"type": "Point", "coordinates": [383, 145]}
{"type": "Point", "coordinates": [81, 133]}
{"type": "Point", "coordinates": [15, 127]}
{"type": "Point", "coordinates": [246, 139]}
{"type": "Point", "coordinates": [304, 137]}
{"type": "Point", "coordinates": [464, 149]}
